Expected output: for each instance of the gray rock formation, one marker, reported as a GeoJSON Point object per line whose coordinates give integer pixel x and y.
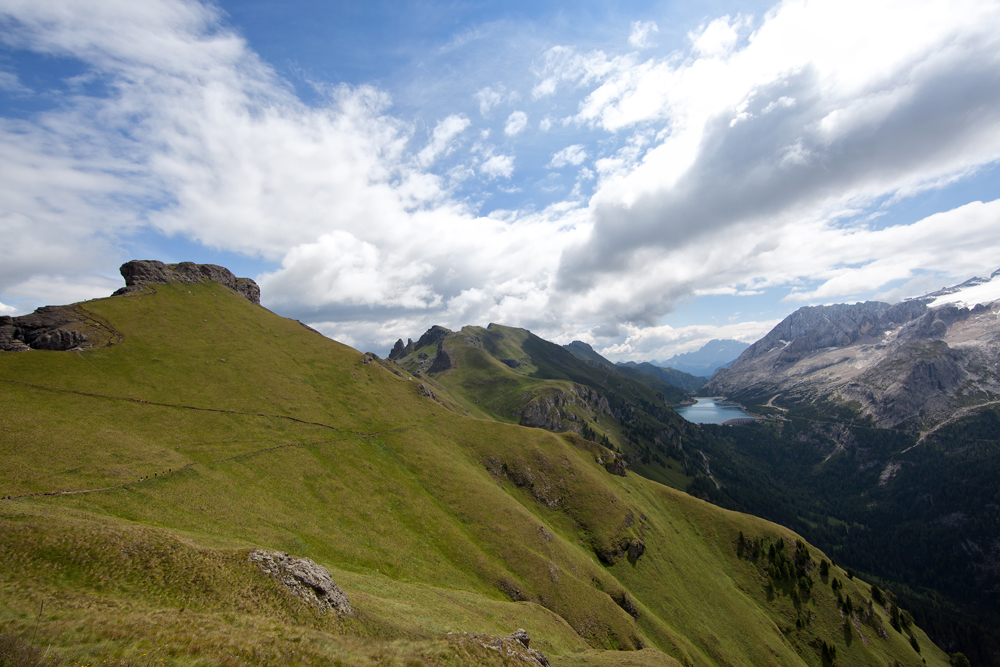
{"type": "Point", "coordinates": [616, 466]}
{"type": "Point", "coordinates": [55, 328]}
{"type": "Point", "coordinates": [514, 645]}
{"type": "Point", "coordinates": [902, 364]}
{"type": "Point", "coordinates": [399, 350]}
{"type": "Point", "coordinates": [145, 271]}
{"type": "Point", "coordinates": [304, 578]}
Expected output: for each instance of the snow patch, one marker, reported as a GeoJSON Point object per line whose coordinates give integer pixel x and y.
{"type": "Point", "coordinates": [972, 292]}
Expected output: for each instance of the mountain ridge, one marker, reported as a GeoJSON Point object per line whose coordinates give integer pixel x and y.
{"type": "Point", "coordinates": [905, 365]}
{"type": "Point", "coordinates": [149, 471]}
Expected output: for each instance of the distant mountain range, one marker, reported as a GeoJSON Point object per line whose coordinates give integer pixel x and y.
{"type": "Point", "coordinates": [881, 443]}
{"type": "Point", "coordinates": [914, 364]}
{"type": "Point", "coordinates": [715, 354]}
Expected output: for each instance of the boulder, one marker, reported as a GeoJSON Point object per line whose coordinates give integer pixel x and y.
{"type": "Point", "coordinates": [48, 328]}
{"type": "Point", "coordinates": [305, 579]}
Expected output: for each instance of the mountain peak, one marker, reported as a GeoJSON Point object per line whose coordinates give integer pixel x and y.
{"type": "Point", "coordinates": [139, 272]}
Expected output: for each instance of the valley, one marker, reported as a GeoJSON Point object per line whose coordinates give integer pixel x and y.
{"type": "Point", "coordinates": [144, 472]}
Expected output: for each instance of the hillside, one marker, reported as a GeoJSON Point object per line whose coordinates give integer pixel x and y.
{"type": "Point", "coordinates": [513, 376]}
{"type": "Point", "coordinates": [673, 392]}
{"type": "Point", "coordinates": [671, 376]}
{"type": "Point", "coordinates": [145, 472]}
{"type": "Point", "coordinates": [881, 447]}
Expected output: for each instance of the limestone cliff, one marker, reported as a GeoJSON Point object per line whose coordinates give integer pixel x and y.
{"type": "Point", "coordinates": [907, 363]}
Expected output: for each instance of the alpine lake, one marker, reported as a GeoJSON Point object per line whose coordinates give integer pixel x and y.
{"type": "Point", "coordinates": [711, 411]}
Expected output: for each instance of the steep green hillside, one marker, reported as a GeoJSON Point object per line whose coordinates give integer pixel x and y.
{"type": "Point", "coordinates": [921, 515]}
{"type": "Point", "coordinates": [142, 474]}
{"type": "Point", "coordinates": [671, 376]}
{"type": "Point", "coordinates": [512, 375]}
{"type": "Point", "coordinates": [673, 393]}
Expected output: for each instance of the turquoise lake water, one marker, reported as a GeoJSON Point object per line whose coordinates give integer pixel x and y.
{"type": "Point", "coordinates": [710, 411]}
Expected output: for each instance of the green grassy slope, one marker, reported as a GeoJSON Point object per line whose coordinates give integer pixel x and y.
{"type": "Point", "coordinates": [249, 430]}
{"type": "Point", "coordinates": [673, 392]}
{"type": "Point", "coordinates": [671, 376]}
{"type": "Point", "coordinates": [505, 373]}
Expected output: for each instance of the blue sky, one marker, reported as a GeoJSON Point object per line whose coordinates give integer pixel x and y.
{"type": "Point", "coordinates": [641, 176]}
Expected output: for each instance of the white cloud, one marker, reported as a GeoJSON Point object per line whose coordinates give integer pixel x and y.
{"type": "Point", "coordinates": [440, 143]}
{"type": "Point", "coordinates": [498, 165]}
{"type": "Point", "coordinates": [718, 37]}
{"type": "Point", "coordinates": [564, 65]}
{"type": "Point", "coordinates": [489, 98]}
{"type": "Point", "coordinates": [821, 135]}
{"type": "Point", "coordinates": [7, 310]}
{"type": "Point", "coordinates": [574, 155]}
{"type": "Point", "coordinates": [840, 108]}
{"type": "Point", "coordinates": [516, 122]}
{"type": "Point", "coordinates": [641, 34]}
{"type": "Point", "coordinates": [10, 83]}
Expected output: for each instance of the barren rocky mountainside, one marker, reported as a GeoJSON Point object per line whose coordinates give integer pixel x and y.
{"type": "Point", "coordinates": [915, 364]}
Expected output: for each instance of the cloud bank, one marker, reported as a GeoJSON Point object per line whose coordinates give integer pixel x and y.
{"type": "Point", "coordinates": [760, 156]}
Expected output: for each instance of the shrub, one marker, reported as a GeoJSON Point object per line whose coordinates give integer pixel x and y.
{"type": "Point", "coordinates": [15, 652]}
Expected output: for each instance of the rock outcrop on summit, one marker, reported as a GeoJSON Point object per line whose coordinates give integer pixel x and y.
{"type": "Point", "coordinates": [73, 327]}
{"type": "Point", "coordinates": [145, 271]}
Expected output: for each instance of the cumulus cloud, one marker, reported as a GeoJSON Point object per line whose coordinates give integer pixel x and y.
{"type": "Point", "coordinates": [752, 161]}
{"type": "Point", "coordinates": [498, 165]}
{"type": "Point", "coordinates": [718, 37]}
{"type": "Point", "coordinates": [574, 155]}
{"type": "Point", "coordinates": [516, 122]}
{"type": "Point", "coordinates": [489, 98]}
{"type": "Point", "coordinates": [444, 132]}
{"type": "Point", "coordinates": [818, 134]}
{"type": "Point", "coordinates": [642, 32]}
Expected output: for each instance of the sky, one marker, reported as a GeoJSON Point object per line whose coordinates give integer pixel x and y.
{"type": "Point", "coordinates": [642, 176]}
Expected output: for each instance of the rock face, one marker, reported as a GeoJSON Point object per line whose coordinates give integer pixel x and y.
{"type": "Point", "coordinates": [513, 646]}
{"type": "Point", "coordinates": [304, 578]}
{"type": "Point", "coordinates": [903, 364]}
{"type": "Point", "coordinates": [144, 271]}
{"type": "Point", "coordinates": [55, 328]}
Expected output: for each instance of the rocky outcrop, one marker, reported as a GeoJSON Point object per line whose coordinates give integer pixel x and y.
{"type": "Point", "coordinates": [55, 328]}
{"type": "Point", "coordinates": [442, 362]}
{"type": "Point", "coordinates": [515, 645]}
{"type": "Point", "coordinates": [305, 579]}
{"type": "Point", "coordinates": [399, 350]}
{"type": "Point", "coordinates": [435, 334]}
{"type": "Point", "coordinates": [140, 272]}
{"type": "Point", "coordinates": [616, 466]}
